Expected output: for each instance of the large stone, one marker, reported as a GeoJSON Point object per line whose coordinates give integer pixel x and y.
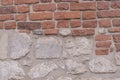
{"type": "Point", "coordinates": [101, 65]}
{"type": "Point", "coordinates": [3, 45]}
{"type": "Point", "coordinates": [11, 70]}
{"type": "Point", "coordinates": [117, 58]}
{"type": "Point", "coordinates": [19, 45]}
{"type": "Point", "coordinates": [78, 46]}
{"type": "Point", "coordinates": [65, 32]}
{"type": "Point", "coordinates": [74, 67]}
{"type": "Point", "coordinates": [92, 78]}
{"type": "Point", "coordinates": [42, 70]}
{"type": "Point", "coordinates": [64, 78]}
{"type": "Point", "coordinates": [48, 47]}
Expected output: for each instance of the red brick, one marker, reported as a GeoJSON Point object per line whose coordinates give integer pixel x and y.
{"type": "Point", "coordinates": [83, 32]}
{"type": "Point", "coordinates": [7, 10]}
{"type": "Point", "coordinates": [102, 37]}
{"type": "Point", "coordinates": [44, 7]}
{"type": "Point", "coordinates": [117, 47]}
{"type": "Point", "coordinates": [10, 25]}
{"type": "Point", "coordinates": [6, 2]}
{"type": "Point", "coordinates": [66, 0]}
{"type": "Point", "coordinates": [20, 17]}
{"type": "Point", "coordinates": [62, 6]}
{"type": "Point", "coordinates": [26, 1]}
{"type": "Point", "coordinates": [116, 22]}
{"type": "Point", "coordinates": [103, 5]}
{"type": "Point", "coordinates": [6, 17]}
{"type": "Point", "coordinates": [116, 38]}
{"type": "Point", "coordinates": [23, 9]}
{"type": "Point", "coordinates": [24, 31]}
{"type": "Point", "coordinates": [48, 25]}
{"type": "Point", "coordinates": [41, 16]}
{"type": "Point", "coordinates": [114, 30]}
{"type": "Point", "coordinates": [102, 51]}
{"type": "Point", "coordinates": [51, 31]}
{"type": "Point", "coordinates": [89, 15]}
{"type": "Point", "coordinates": [105, 23]}
{"type": "Point", "coordinates": [103, 44]}
{"type": "Point", "coordinates": [63, 24]}
{"type": "Point", "coordinates": [67, 15]}
{"type": "Point", "coordinates": [89, 24]}
{"type": "Point", "coordinates": [75, 23]}
{"type": "Point", "coordinates": [83, 6]}
{"type": "Point", "coordinates": [115, 4]}
{"type": "Point", "coordinates": [29, 25]}
{"type": "Point", "coordinates": [1, 25]}
{"type": "Point", "coordinates": [115, 13]}
{"type": "Point", "coordinates": [45, 1]}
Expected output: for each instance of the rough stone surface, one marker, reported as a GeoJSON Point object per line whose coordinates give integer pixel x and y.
{"type": "Point", "coordinates": [3, 45]}
{"type": "Point", "coordinates": [117, 58]}
{"type": "Point", "coordinates": [65, 32]}
{"type": "Point", "coordinates": [78, 46]}
{"type": "Point", "coordinates": [74, 67]}
{"type": "Point", "coordinates": [64, 78]}
{"type": "Point", "coordinates": [47, 48]}
{"type": "Point", "coordinates": [42, 70]}
{"type": "Point", "coordinates": [19, 45]}
{"type": "Point", "coordinates": [101, 65]}
{"type": "Point", "coordinates": [10, 70]}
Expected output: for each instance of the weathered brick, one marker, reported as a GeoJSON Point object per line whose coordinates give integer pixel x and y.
{"type": "Point", "coordinates": [116, 38]}
{"type": "Point", "coordinates": [41, 16]}
{"type": "Point", "coordinates": [116, 22]}
{"type": "Point", "coordinates": [48, 25]}
{"type": "Point", "coordinates": [103, 44]}
{"type": "Point", "coordinates": [105, 23]}
{"type": "Point", "coordinates": [45, 1]}
{"type": "Point", "coordinates": [23, 9]}
{"type": "Point", "coordinates": [51, 31]}
{"type": "Point", "coordinates": [67, 15]}
{"type": "Point", "coordinates": [75, 23]}
{"type": "Point", "coordinates": [66, 0]}
{"type": "Point", "coordinates": [6, 2]}
{"type": "Point", "coordinates": [29, 25]}
{"type": "Point", "coordinates": [10, 25]}
{"type": "Point", "coordinates": [26, 1]}
{"type": "Point", "coordinates": [89, 24]}
{"type": "Point", "coordinates": [62, 6]}
{"type": "Point", "coordinates": [20, 17]}
{"type": "Point", "coordinates": [44, 7]}
{"type": "Point", "coordinates": [102, 51]}
{"type": "Point", "coordinates": [103, 5]}
{"type": "Point", "coordinates": [102, 37]}
{"type": "Point", "coordinates": [117, 47]}
{"type": "Point", "coordinates": [1, 25]}
{"type": "Point", "coordinates": [7, 10]}
{"type": "Point", "coordinates": [83, 6]}
{"type": "Point", "coordinates": [114, 30]}
{"type": "Point", "coordinates": [63, 24]}
{"type": "Point", "coordinates": [6, 17]}
{"type": "Point", "coordinates": [115, 4]}
{"type": "Point", "coordinates": [89, 15]}
{"type": "Point", "coordinates": [83, 32]}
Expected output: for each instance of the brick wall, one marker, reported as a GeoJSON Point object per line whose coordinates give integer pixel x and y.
{"type": "Point", "coordinates": [100, 19]}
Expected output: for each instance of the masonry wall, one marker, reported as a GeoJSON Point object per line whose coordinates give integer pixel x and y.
{"type": "Point", "coordinates": [59, 40]}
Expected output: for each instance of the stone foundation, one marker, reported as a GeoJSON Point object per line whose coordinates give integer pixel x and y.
{"type": "Point", "coordinates": [25, 56]}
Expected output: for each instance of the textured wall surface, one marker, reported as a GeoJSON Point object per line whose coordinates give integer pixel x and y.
{"type": "Point", "coordinates": [59, 39]}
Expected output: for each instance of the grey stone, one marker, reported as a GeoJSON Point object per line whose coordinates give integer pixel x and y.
{"type": "Point", "coordinates": [101, 65]}
{"type": "Point", "coordinates": [48, 48]}
{"type": "Point", "coordinates": [42, 70]}
{"type": "Point", "coordinates": [64, 78]}
{"type": "Point", "coordinates": [3, 45]}
{"type": "Point", "coordinates": [37, 31]}
{"type": "Point", "coordinates": [117, 58]}
{"type": "Point", "coordinates": [11, 70]}
{"type": "Point", "coordinates": [92, 78]}
{"type": "Point", "coordinates": [78, 46]}
{"type": "Point", "coordinates": [74, 67]}
{"type": "Point", "coordinates": [65, 32]}
{"type": "Point", "coordinates": [19, 45]}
